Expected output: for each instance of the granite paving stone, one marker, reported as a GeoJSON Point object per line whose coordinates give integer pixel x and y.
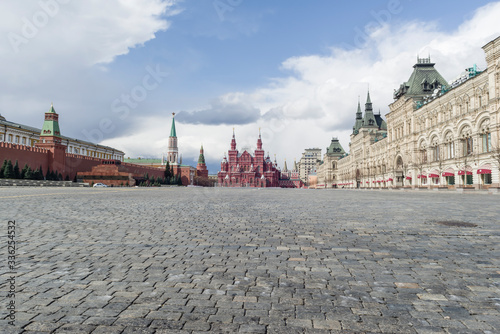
{"type": "Point", "coordinates": [197, 260]}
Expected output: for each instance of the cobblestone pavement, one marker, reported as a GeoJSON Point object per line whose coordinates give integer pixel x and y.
{"type": "Point", "coordinates": [192, 260]}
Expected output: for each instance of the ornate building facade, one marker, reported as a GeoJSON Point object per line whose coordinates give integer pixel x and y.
{"type": "Point", "coordinates": [247, 170]}
{"type": "Point", "coordinates": [325, 169]}
{"type": "Point", "coordinates": [437, 134]}
{"type": "Point", "coordinates": [291, 178]}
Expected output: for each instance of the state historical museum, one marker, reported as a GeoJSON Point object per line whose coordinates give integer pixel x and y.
{"type": "Point", "coordinates": [246, 170]}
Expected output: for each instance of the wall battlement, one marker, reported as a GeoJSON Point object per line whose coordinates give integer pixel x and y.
{"type": "Point", "coordinates": [23, 147]}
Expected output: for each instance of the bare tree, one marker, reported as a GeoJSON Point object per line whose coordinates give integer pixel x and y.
{"type": "Point", "coordinates": [440, 164]}
{"type": "Point", "coordinates": [495, 156]}
{"type": "Point", "coordinates": [463, 162]}
{"type": "Point", "coordinates": [420, 162]}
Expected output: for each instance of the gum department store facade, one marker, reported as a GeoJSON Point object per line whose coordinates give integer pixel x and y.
{"type": "Point", "coordinates": [437, 134]}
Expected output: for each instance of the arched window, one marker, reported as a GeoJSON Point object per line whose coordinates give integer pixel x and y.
{"type": "Point", "coordinates": [450, 146]}
{"type": "Point", "coordinates": [485, 136]}
{"type": "Point", "coordinates": [435, 149]}
{"type": "Point", "coordinates": [468, 145]}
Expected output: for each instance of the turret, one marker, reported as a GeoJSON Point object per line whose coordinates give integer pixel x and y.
{"type": "Point", "coordinates": [201, 168]}
{"type": "Point", "coordinates": [173, 151]}
{"type": "Point", "coordinates": [233, 142]}
{"type": "Point", "coordinates": [50, 131]}
{"type": "Point", "coordinates": [50, 139]}
{"type": "Point", "coordinates": [259, 142]}
{"type": "Point", "coordinates": [369, 119]}
{"type": "Point", "coordinates": [359, 120]}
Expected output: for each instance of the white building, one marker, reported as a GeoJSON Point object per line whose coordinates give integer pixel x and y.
{"type": "Point", "coordinates": [438, 134]}
{"type": "Point", "coordinates": [307, 163]}
{"type": "Point", "coordinates": [20, 134]}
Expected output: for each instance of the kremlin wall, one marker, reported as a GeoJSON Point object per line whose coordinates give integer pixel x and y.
{"type": "Point", "coordinates": [49, 150]}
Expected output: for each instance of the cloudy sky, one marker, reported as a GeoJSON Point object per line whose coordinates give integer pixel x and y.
{"type": "Point", "coordinates": [116, 70]}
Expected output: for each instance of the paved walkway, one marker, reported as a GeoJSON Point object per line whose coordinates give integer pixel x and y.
{"type": "Point", "coordinates": [192, 260]}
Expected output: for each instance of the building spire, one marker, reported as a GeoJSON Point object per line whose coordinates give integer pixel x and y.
{"type": "Point", "coordinates": [368, 100]}
{"type": "Point", "coordinates": [359, 119]}
{"type": "Point", "coordinates": [172, 130]}
{"type": "Point", "coordinates": [259, 142]}
{"type": "Point", "coordinates": [201, 158]}
{"type": "Point", "coordinates": [369, 119]}
{"type": "Point", "coordinates": [233, 142]}
{"type": "Point", "coordinates": [173, 151]}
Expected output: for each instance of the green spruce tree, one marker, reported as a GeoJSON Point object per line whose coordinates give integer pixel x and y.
{"type": "Point", "coordinates": [2, 169]}
{"type": "Point", "coordinates": [17, 172]}
{"type": "Point", "coordinates": [9, 170]}
{"type": "Point", "coordinates": [29, 174]}
{"type": "Point", "coordinates": [23, 172]}
{"type": "Point", "coordinates": [35, 174]}
{"type": "Point", "coordinates": [167, 172]}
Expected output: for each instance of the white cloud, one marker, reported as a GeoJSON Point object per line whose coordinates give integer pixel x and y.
{"type": "Point", "coordinates": [227, 109]}
{"type": "Point", "coordinates": [314, 100]}
{"type": "Point", "coordinates": [90, 32]}
{"type": "Point", "coordinates": [317, 97]}
{"type": "Point", "coordinates": [56, 51]}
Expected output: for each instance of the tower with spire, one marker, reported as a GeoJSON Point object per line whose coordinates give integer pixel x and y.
{"type": "Point", "coordinates": [173, 151]}
{"type": "Point", "coordinates": [369, 120]}
{"type": "Point", "coordinates": [50, 131]}
{"type": "Point", "coordinates": [285, 168]}
{"type": "Point", "coordinates": [201, 167]}
{"type": "Point", "coordinates": [373, 123]}
{"type": "Point", "coordinates": [359, 120]}
{"type": "Point", "coordinates": [50, 139]}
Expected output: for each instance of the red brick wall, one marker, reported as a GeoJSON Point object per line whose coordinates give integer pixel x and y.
{"type": "Point", "coordinates": [184, 172]}
{"type": "Point", "coordinates": [34, 157]}
{"type": "Point", "coordinates": [141, 170]}
{"type": "Point", "coordinates": [79, 163]}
